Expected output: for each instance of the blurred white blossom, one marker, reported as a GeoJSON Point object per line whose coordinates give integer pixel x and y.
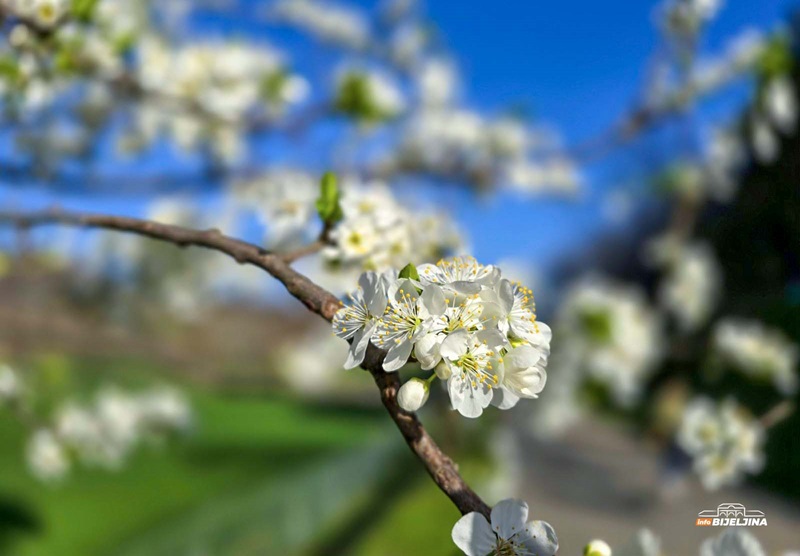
{"type": "Point", "coordinates": [10, 386]}
{"type": "Point", "coordinates": [732, 542]}
{"type": "Point", "coordinates": [617, 335]}
{"type": "Point", "coordinates": [47, 458]}
{"type": "Point", "coordinates": [724, 441]}
{"type": "Point", "coordinates": [758, 351]}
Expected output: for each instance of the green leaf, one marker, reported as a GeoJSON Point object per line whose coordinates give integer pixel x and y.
{"type": "Point", "coordinates": [83, 10]}
{"type": "Point", "coordinates": [410, 271]}
{"type": "Point", "coordinates": [328, 206]}
{"type": "Point", "coordinates": [776, 59]}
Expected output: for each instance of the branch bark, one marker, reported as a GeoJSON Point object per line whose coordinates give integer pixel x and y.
{"type": "Point", "coordinates": [440, 467]}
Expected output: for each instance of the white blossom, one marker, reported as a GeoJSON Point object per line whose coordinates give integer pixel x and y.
{"type": "Point", "coordinates": [408, 317]}
{"type": "Point", "coordinates": [10, 386]}
{"type": "Point", "coordinates": [332, 22]}
{"type": "Point", "coordinates": [463, 275]}
{"type": "Point", "coordinates": [691, 287]}
{"type": "Point", "coordinates": [724, 441]}
{"type": "Point", "coordinates": [780, 103]}
{"type": "Point", "coordinates": [765, 142]}
{"type": "Point", "coordinates": [758, 351]}
{"type": "Point", "coordinates": [283, 201]}
{"type": "Point", "coordinates": [437, 82]}
{"type": "Point", "coordinates": [616, 334]}
{"type": "Point", "coordinates": [732, 542]}
{"type": "Point", "coordinates": [476, 330]}
{"type": "Point", "coordinates": [474, 370]}
{"type": "Point", "coordinates": [360, 317]}
{"type": "Point", "coordinates": [508, 534]}
{"type": "Point", "coordinates": [47, 458]}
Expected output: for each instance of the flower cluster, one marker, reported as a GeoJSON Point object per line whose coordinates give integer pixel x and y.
{"type": "Point", "coordinates": [509, 534]}
{"type": "Point", "coordinates": [741, 56]}
{"type": "Point", "coordinates": [454, 142]}
{"type": "Point", "coordinates": [723, 439]}
{"type": "Point", "coordinates": [44, 14]}
{"type": "Point", "coordinates": [218, 85]}
{"type": "Point", "coordinates": [758, 352]}
{"type": "Point", "coordinates": [477, 330]}
{"type": "Point", "coordinates": [105, 433]}
{"type": "Point", "coordinates": [376, 231]}
{"type": "Point", "coordinates": [613, 333]}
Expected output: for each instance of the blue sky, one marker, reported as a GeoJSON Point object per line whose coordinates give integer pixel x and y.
{"type": "Point", "coordinates": [577, 65]}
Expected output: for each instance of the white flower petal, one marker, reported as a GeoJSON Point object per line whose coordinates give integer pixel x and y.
{"type": "Point", "coordinates": [455, 345]}
{"type": "Point", "coordinates": [505, 295]}
{"type": "Point", "coordinates": [543, 540]}
{"type": "Point", "coordinates": [509, 517]}
{"type": "Point", "coordinates": [503, 398]}
{"type": "Point", "coordinates": [354, 355]}
{"type": "Point", "coordinates": [397, 356]}
{"type": "Point", "coordinates": [473, 535]}
{"type": "Point", "coordinates": [433, 300]}
{"type": "Point", "coordinates": [469, 402]}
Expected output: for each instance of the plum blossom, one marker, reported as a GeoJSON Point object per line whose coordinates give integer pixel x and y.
{"type": "Point", "coordinates": [459, 318]}
{"type": "Point", "coordinates": [758, 351]}
{"type": "Point", "coordinates": [361, 316]}
{"type": "Point", "coordinates": [10, 386]}
{"type": "Point", "coordinates": [616, 334]}
{"type": "Point", "coordinates": [510, 534]}
{"type": "Point", "coordinates": [408, 317]}
{"type": "Point", "coordinates": [47, 457]}
{"type": "Point", "coordinates": [463, 275]}
{"type": "Point", "coordinates": [691, 287]}
{"type": "Point", "coordinates": [331, 22]}
{"type": "Point", "coordinates": [724, 441]}
{"type": "Point", "coordinates": [732, 542]}
{"type": "Point", "coordinates": [473, 368]}
{"type": "Point", "coordinates": [780, 104]}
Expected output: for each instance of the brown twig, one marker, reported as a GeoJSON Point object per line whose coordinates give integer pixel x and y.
{"type": "Point", "coordinates": [320, 301]}
{"type": "Point", "coordinates": [777, 414]}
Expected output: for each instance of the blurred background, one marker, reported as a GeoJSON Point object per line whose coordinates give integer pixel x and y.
{"type": "Point", "coordinates": [636, 166]}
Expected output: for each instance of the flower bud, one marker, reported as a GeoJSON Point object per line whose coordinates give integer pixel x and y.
{"type": "Point", "coordinates": [597, 548]}
{"type": "Point", "coordinates": [413, 394]}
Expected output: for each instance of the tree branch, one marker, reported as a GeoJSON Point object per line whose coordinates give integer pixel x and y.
{"type": "Point", "coordinates": [318, 300]}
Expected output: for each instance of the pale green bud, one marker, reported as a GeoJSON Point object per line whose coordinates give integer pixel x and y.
{"type": "Point", "coordinates": [597, 548]}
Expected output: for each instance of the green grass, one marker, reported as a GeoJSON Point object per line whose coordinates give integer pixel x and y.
{"type": "Point", "coordinates": [238, 442]}
{"type": "Point", "coordinates": [418, 522]}
{"type": "Point", "coordinates": [262, 475]}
